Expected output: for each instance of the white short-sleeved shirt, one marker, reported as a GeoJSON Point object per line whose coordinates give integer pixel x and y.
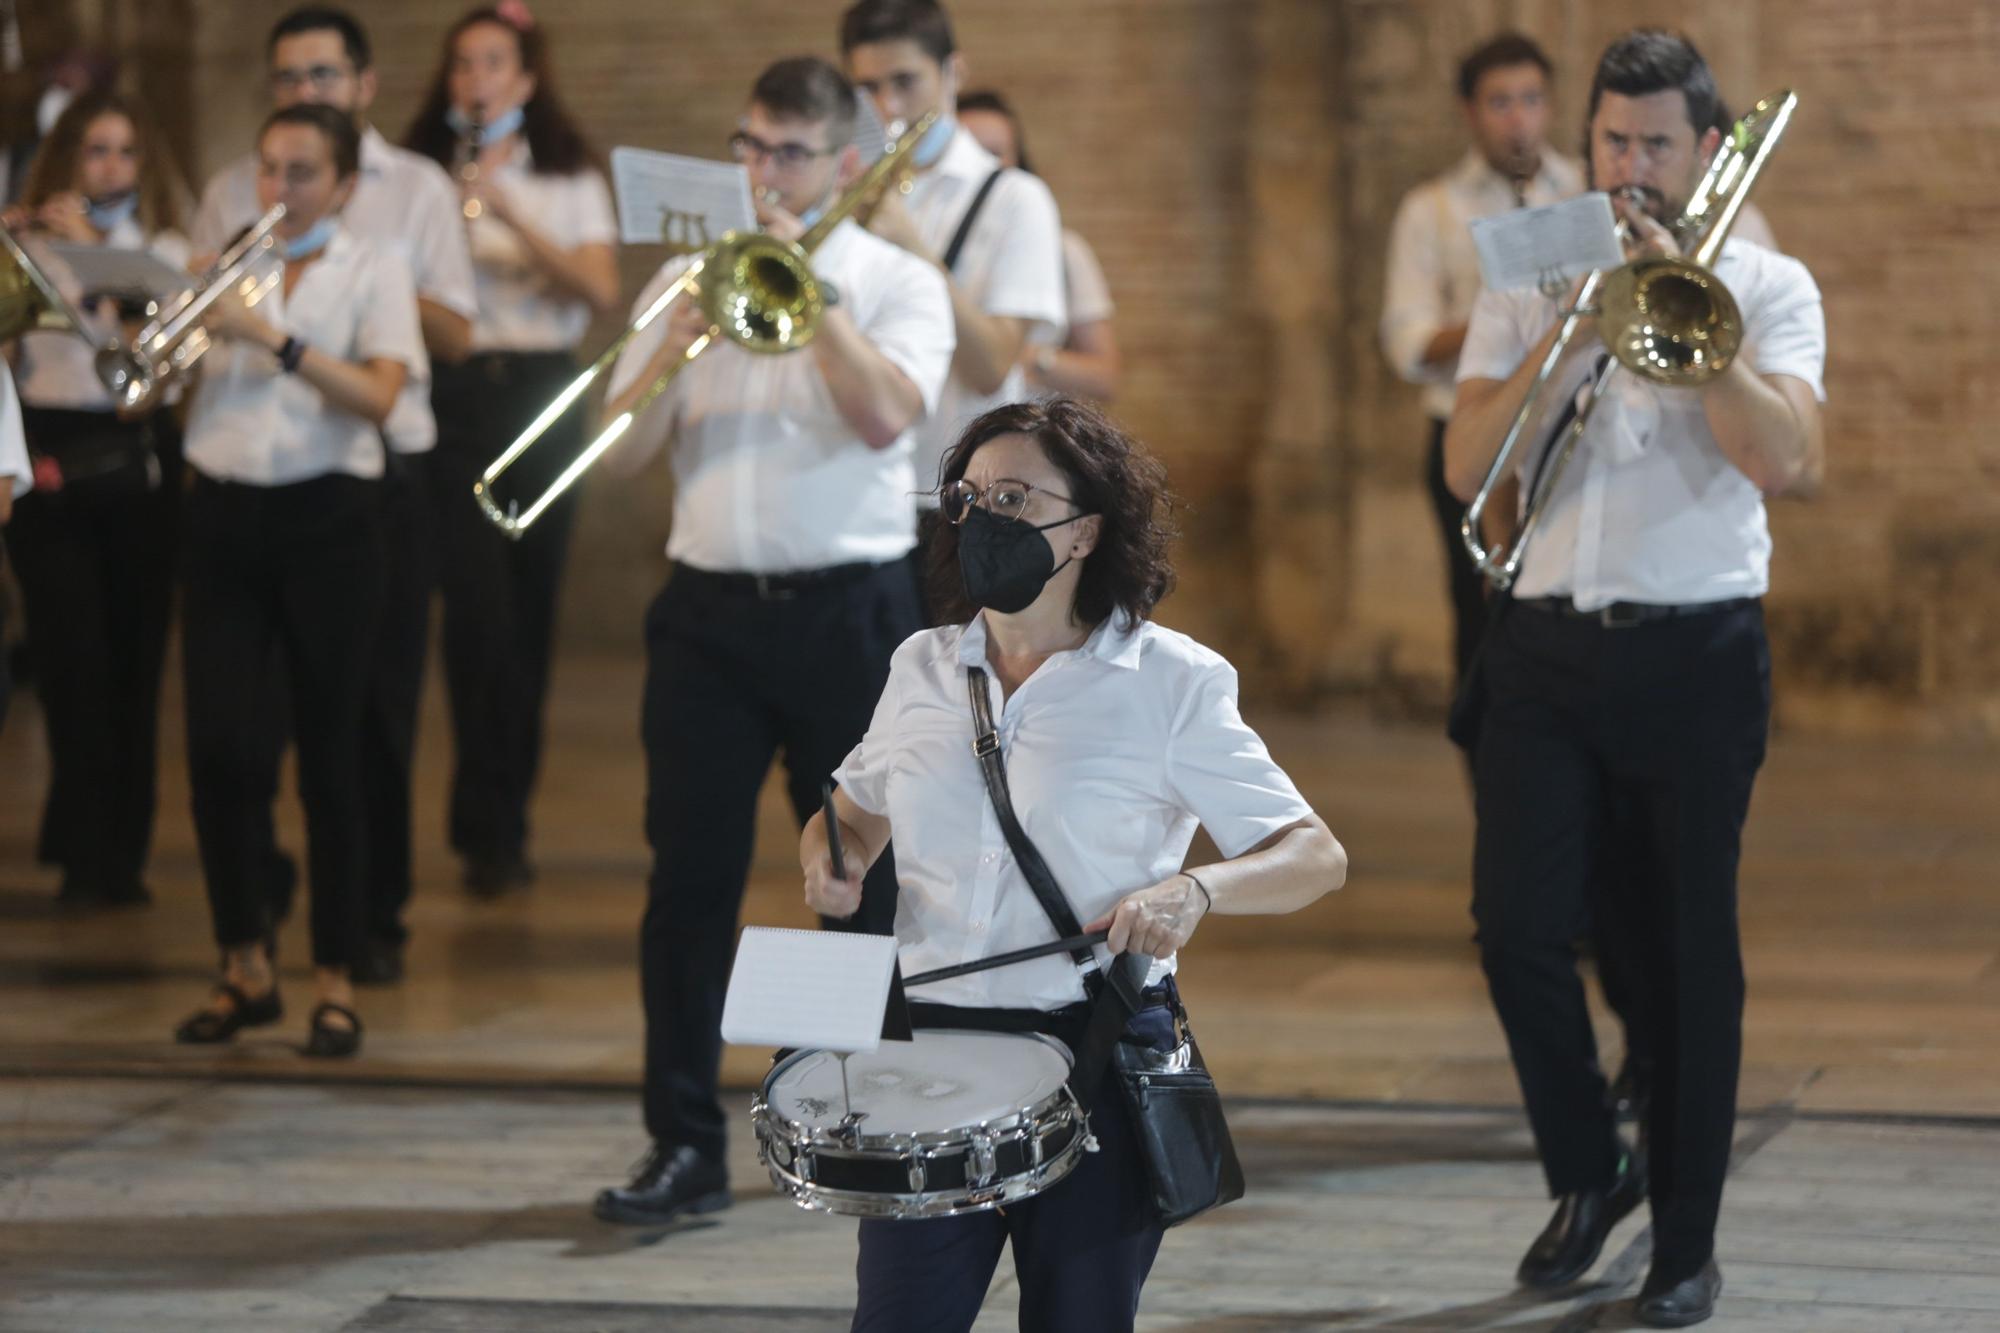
{"type": "Point", "coordinates": [1649, 508]}
{"type": "Point", "coordinates": [769, 477]}
{"type": "Point", "coordinates": [402, 202]}
{"type": "Point", "coordinates": [59, 370]}
{"type": "Point", "coordinates": [1011, 265]}
{"type": "Point", "coordinates": [1085, 291]}
{"type": "Point", "coordinates": [1434, 270]}
{"type": "Point", "coordinates": [1115, 751]}
{"type": "Point", "coordinates": [15, 469]}
{"type": "Point", "coordinates": [254, 423]}
{"type": "Point", "coordinates": [520, 307]}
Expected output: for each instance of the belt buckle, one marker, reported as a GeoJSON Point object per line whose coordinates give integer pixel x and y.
{"type": "Point", "coordinates": [1609, 618]}
{"type": "Point", "coordinates": [767, 591]}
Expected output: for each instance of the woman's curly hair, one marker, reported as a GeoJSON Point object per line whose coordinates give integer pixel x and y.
{"type": "Point", "coordinates": [1110, 474]}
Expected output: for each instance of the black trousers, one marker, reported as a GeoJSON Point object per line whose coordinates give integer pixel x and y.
{"type": "Point", "coordinates": [731, 679]}
{"type": "Point", "coordinates": [96, 575]}
{"type": "Point", "coordinates": [499, 594]}
{"type": "Point", "coordinates": [287, 575]}
{"type": "Point", "coordinates": [1082, 1249]}
{"type": "Point", "coordinates": [1659, 729]}
{"type": "Point", "coordinates": [1467, 587]}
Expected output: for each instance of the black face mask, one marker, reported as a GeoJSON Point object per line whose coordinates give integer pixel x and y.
{"type": "Point", "coordinates": [1004, 562]}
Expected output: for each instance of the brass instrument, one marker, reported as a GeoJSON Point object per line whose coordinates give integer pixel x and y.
{"type": "Point", "coordinates": [1667, 320]}
{"type": "Point", "coordinates": [465, 165]}
{"type": "Point", "coordinates": [757, 291]}
{"type": "Point", "coordinates": [175, 338]}
{"type": "Point", "coordinates": [30, 301]}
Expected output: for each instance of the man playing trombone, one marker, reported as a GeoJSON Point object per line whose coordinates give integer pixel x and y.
{"type": "Point", "coordinates": [792, 529]}
{"type": "Point", "coordinates": [1627, 684]}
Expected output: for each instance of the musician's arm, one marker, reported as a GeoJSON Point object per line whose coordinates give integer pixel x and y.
{"type": "Point", "coordinates": [1769, 426]}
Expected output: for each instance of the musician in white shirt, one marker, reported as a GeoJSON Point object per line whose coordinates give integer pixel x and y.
{"type": "Point", "coordinates": [405, 203]}
{"type": "Point", "coordinates": [543, 241]}
{"type": "Point", "coordinates": [791, 588]}
{"type": "Point", "coordinates": [1119, 738]}
{"type": "Point", "coordinates": [1629, 680]}
{"type": "Point", "coordinates": [284, 548]}
{"type": "Point", "coordinates": [93, 545]}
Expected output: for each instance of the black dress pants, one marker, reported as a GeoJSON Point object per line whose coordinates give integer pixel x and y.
{"type": "Point", "coordinates": [1661, 726]}
{"type": "Point", "coordinates": [1463, 579]}
{"type": "Point", "coordinates": [288, 575]}
{"type": "Point", "coordinates": [732, 678]}
{"type": "Point", "coordinates": [499, 593]}
{"type": "Point", "coordinates": [94, 562]}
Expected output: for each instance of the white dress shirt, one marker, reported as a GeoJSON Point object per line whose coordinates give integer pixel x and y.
{"type": "Point", "coordinates": [1012, 265]}
{"type": "Point", "coordinates": [254, 423]}
{"type": "Point", "coordinates": [768, 476]}
{"type": "Point", "coordinates": [59, 370]}
{"type": "Point", "coordinates": [14, 465]}
{"type": "Point", "coordinates": [403, 202]}
{"type": "Point", "coordinates": [1433, 268]}
{"type": "Point", "coordinates": [1115, 751]}
{"type": "Point", "coordinates": [1649, 508]}
{"type": "Point", "coordinates": [520, 307]}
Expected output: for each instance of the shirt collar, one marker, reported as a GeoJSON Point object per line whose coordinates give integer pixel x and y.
{"type": "Point", "coordinates": [1115, 642]}
{"type": "Point", "coordinates": [375, 152]}
{"type": "Point", "coordinates": [964, 159]}
{"type": "Point", "coordinates": [1477, 172]}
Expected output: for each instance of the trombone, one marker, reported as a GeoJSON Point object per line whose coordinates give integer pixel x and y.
{"type": "Point", "coordinates": [175, 338]}
{"type": "Point", "coordinates": [30, 301]}
{"type": "Point", "coordinates": [759, 292]}
{"type": "Point", "coordinates": [1667, 320]}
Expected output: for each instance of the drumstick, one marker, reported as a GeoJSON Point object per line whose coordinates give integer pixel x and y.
{"type": "Point", "coordinates": [832, 831]}
{"type": "Point", "coordinates": [1012, 956]}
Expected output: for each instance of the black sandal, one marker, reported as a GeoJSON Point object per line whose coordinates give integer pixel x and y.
{"type": "Point", "coordinates": [209, 1027]}
{"type": "Point", "coordinates": [333, 1042]}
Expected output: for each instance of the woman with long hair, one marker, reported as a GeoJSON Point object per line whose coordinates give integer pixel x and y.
{"type": "Point", "coordinates": [92, 543]}
{"type": "Point", "coordinates": [543, 251]}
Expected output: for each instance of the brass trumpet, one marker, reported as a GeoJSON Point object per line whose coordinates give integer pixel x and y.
{"type": "Point", "coordinates": [757, 291]}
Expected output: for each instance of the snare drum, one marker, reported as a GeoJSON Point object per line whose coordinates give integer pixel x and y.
{"type": "Point", "coordinates": [952, 1122]}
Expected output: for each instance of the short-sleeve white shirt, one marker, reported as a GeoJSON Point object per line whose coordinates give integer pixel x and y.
{"type": "Point", "coordinates": [1012, 265]}
{"type": "Point", "coordinates": [14, 466]}
{"type": "Point", "coordinates": [253, 423]}
{"type": "Point", "coordinates": [768, 476]}
{"type": "Point", "coordinates": [520, 307]}
{"type": "Point", "coordinates": [403, 202]}
{"type": "Point", "coordinates": [1650, 509]}
{"type": "Point", "coordinates": [1115, 752]}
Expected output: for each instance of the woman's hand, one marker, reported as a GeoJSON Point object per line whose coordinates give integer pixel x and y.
{"type": "Point", "coordinates": [492, 200]}
{"type": "Point", "coordinates": [229, 318]}
{"type": "Point", "coordinates": [66, 215]}
{"type": "Point", "coordinates": [1155, 921]}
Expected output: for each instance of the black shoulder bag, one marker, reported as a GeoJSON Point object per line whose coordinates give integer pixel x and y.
{"type": "Point", "coordinates": [1174, 1107]}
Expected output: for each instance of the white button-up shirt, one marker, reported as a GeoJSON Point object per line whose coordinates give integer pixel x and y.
{"type": "Point", "coordinates": [15, 470]}
{"type": "Point", "coordinates": [1012, 265]}
{"type": "Point", "coordinates": [768, 476]}
{"type": "Point", "coordinates": [1433, 268]}
{"type": "Point", "coordinates": [520, 307]}
{"type": "Point", "coordinates": [59, 370]}
{"type": "Point", "coordinates": [403, 202]}
{"type": "Point", "coordinates": [1115, 751]}
{"type": "Point", "coordinates": [254, 423]}
{"type": "Point", "coordinates": [1649, 508]}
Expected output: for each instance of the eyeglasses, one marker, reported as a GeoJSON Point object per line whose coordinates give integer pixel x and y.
{"type": "Point", "coordinates": [321, 77]}
{"type": "Point", "coordinates": [749, 148]}
{"type": "Point", "coordinates": [1005, 498]}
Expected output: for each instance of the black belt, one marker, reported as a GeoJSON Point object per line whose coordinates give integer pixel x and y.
{"type": "Point", "coordinates": [779, 587]}
{"type": "Point", "coordinates": [1624, 615]}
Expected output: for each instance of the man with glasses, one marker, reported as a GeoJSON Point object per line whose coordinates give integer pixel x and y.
{"type": "Point", "coordinates": [791, 590]}
{"type": "Point", "coordinates": [405, 203]}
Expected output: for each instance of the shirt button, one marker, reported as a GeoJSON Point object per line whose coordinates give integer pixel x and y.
{"type": "Point", "coordinates": [990, 858]}
{"type": "Point", "coordinates": [979, 926]}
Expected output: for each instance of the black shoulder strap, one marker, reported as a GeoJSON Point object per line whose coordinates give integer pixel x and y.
{"type": "Point", "coordinates": [959, 237]}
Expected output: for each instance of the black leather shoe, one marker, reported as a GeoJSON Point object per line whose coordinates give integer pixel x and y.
{"type": "Point", "coordinates": [492, 875]}
{"type": "Point", "coordinates": [380, 963]}
{"type": "Point", "coordinates": [1575, 1236]}
{"type": "Point", "coordinates": [210, 1026]}
{"type": "Point", "coordinates": [1688, 1301]}
{"type": "Point", "coordinates": [333, 1041]}
{"type": "Point", "coordinates": [667, 1183]}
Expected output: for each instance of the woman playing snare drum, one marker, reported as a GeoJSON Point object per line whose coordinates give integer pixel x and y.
{"type": "Point", "coordinates": [1119, 737]}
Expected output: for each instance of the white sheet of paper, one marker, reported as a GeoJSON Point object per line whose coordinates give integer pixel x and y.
{"type": "Point", "coordinates": [685, 202]}
{"type": "Point", "coordinates": [821, 989]}
{"type": "Point", "coordinates": [1525, 247]}
{"type": "Point", "coordinates": [100, 268]}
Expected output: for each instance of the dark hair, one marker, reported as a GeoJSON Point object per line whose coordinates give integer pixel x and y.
{"type": "Point", "coordinates": [1500, 52]}
{"type": "Point", "coordinates": [54, 169]}
{"type": "Point", "coordinates": [324, 18]}
{"type": "Point", "coordinates": [1652, 60]}
{"type": "Point", "coordinates": [1109, 474]}
{"type": "Point", "coordinates": [554, 139]}
{"type": "Point", "coordinates": [921, 21]}
{"type": "Point", "coordinates": [808, 88]}
{"type": "Point", "coordinates": [342, 138]}
{"type": "Point", "coordinates": [985, 99]}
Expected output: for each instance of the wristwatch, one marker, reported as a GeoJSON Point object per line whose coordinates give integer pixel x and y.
{"type": "Point", "coordinates": [290, 352]}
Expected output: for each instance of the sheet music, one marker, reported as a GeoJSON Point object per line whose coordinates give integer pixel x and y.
{"type": "Point", "coordinates": [685, 203]}
{"type": "Point", "coordinates": [103, 268]}
{"type": "Point", "coordinates": [1533, 247]}
{"type": "Point", "coordinates": [821, 989]}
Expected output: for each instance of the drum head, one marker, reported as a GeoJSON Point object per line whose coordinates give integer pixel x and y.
{"type": "Point", "coordinates": [939, 1081]}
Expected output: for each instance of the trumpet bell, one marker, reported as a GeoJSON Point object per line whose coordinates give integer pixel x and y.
{"type": "Point", "coordinates": [1670, 321]}
{"type": "Point", "coordinates": [761, 293]}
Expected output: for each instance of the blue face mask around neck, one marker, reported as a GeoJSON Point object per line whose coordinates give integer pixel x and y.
{"type": "Point", "coordinates": [930, 148]}
{"type": "Point", "coordinates": [311, 241]}
{"type": "Point", "coordinates": [110, 214]}
{"type": "Point", "coordinates": [506, 123]}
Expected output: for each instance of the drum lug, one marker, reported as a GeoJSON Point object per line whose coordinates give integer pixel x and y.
{"type": "Point", "coordinates": [984, 1167]}
{"type": "Point", "coordinates": [918, 1180]}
